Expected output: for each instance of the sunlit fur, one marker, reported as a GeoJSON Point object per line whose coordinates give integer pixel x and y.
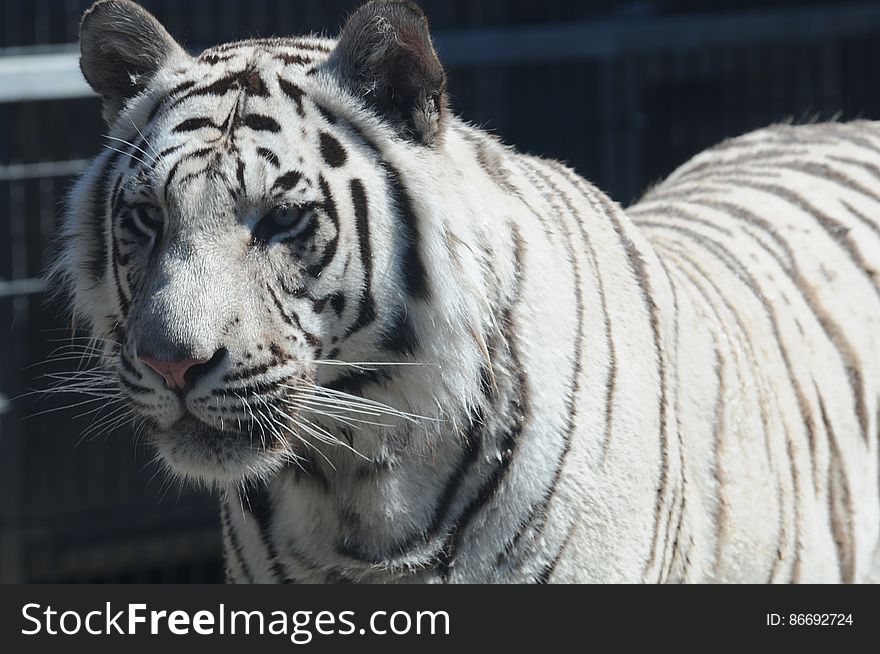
{"type": "Point", "coordinates": [534, 389]}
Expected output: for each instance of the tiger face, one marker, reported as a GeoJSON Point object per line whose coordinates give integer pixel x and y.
{"type": "Point", "coordinates": [226, 245]}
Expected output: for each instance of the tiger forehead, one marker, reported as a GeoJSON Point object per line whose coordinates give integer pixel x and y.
{"type": "Point", "coordinates": [245, 63]}
{"type": "Point", "coordinates": [256, 74]}
{"type": "Point", "coordinates": [244, 99]}
{"type": "Point", "coordinates": [252, 69]}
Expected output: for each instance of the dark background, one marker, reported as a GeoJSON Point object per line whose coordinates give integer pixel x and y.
{"type": "Point", "coordinates": [623, 90]}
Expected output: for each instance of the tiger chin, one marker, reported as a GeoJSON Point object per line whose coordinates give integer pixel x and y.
{"type": "Point", "coordinates": [404, 351]}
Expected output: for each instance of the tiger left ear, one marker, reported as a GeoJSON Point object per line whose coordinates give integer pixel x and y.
{"type": "Point", "coordinates": [122, 46]}
{"type": "Point", "coordinates": [385, 55]}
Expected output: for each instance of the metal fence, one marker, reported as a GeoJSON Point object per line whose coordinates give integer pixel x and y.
{"type": "Point", "coordinates": [625, 91]}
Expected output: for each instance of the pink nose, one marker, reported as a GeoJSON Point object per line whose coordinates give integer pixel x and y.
{"type": "Point", "coordinates": [173, 372]}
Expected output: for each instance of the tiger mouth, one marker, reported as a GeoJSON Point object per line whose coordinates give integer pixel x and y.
{"type": "Point", "coordinates": [199, 451]}
{"type": "Point", "coordinates": [190, 427]}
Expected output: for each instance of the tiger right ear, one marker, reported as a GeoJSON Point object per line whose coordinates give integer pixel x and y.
{"type": "Point", "coordinates": [385, 56]}
{"type": "Point", "coordinates": [121, 47]}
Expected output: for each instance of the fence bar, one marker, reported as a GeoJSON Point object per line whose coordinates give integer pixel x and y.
{"type": "Point", "coordinates": [15, 287]}
{"type": "Point", "coordinates": [42, 169]}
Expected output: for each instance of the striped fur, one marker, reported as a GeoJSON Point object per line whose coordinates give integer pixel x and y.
{"type": "Point", "coordinates": [553, 389]}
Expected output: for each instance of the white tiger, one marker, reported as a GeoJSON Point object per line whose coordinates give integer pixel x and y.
{"type": "Point", "coordinates": [401, 351]}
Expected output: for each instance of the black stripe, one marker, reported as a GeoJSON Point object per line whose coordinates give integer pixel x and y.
{"type": "Point", "coordinates": [259, 505]}
{"type": "Point", "coordinates": [794, 275]}
{"type": "Point", "coordinates": [97, 219]}
{"type": "Point", "coordinates": [718, 424]}
{"type": "Point", "coordinates": [329, 206]}
{"type": "Point", "coordinates": [331, 118]}
{"type": "Point", "coordinates": [862, 218]}
{"type": "Point", "coordinates": [269, 156]}
{"type": "Point", "coordinates": [293, 59]}
{"type": "Point", "coordinates": [251, 81]}
{"type": "Point", "coordinates": [134, 388]}
{"type": "Point", "coordinates": [116, 262]}
{"type": "Point", "coordinates": [399, 336]}
{"type": "Point", "coordinates": [611, 382]}
{"type": "Point", "coordinates": [843, 132]}
{"type": "Point", "coordinates": [332, 151]}
{"type": "Point", "coordinates": [162, 102]}
{"type": "Point", "coordinates": [261, 123]}
{"type": "Point", "coordinates": [214, 59]}
{"type": "Point", "coordinates": [129, 367]}
{"type": "Point", "coordinates": [366, 306]}
{"type": "Point", "coordinates": [639, 271]}
{"type": "Point", "coordinates": [826, 173]}
{"type": "Point", "coordinates": [839, 497]}
{"type": "Point", "coordinates": [238, 80]}
{"type": "Point", "coordinates": [306, 468]}
{"type": "Point", "coordinates": [336, 300]}
{"type": "Point", "coordinates": [170, 150]}
{"type": "Point", "coordinates": [292, 318]}
{"type": "Point", "coordinates": [293, 92]}
{"type": "Point", "coordinates": [355, 382]}
{"type": "Point", "coordinates": [242, 374]}
{"type": "Point", "coordinates": [193, 124]}
{"type": "Point", "coordinates": [169, 178]}
{"type": "Point", "coordinates": [180, 88]}
{"type": "Point", "coordinates": [273, 42]}
{"type": "Point", "coordinates": [239, 174]}
{"type": "Point", "coordinates": [288, 180]}
{"type": "Point", "coordinates": [235, 544]}
{"type": "Point", "coordinates": [712, 167]}
{"type": "Point", "coordinates": [680, 491]}
{"type": "Point", "coordinates": [544, 576]}
{"type": "Point", "coordinates": [415, 272]}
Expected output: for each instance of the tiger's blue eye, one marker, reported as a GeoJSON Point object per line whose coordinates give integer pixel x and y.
{"type": "Point", "coordinates": [285, 217]}
{"type": "Point", "coordinates": [286, 221]}
{"type": "Point", "coordinates": [148, 218]}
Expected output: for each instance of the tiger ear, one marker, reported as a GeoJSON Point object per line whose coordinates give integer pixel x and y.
{"type": "Point", "coordinates": [385, 55]}
{"type": "Point", "coordinates": [122, 46]}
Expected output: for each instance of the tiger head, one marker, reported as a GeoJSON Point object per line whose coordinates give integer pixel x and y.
{"type": "Point", "coordinates": [249, 225]}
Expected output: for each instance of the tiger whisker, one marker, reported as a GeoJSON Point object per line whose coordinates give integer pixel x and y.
{"type": "Point", "coordinates": [146, 140]}
{"type": "Point", "coordinates": [366, 365]}
{"type": "Point", "coordinates": [346, 420]}
{"type": "Point", "coordinates": [99, 424]}
{"type": "Point", "coordinates": [353, 400]}
{"type": "Point", "coordinates": [127, 154]}
{"type": "Point", "coordinates": [145, 153]}
{"type": "Point", "coordinates": [67, 407]}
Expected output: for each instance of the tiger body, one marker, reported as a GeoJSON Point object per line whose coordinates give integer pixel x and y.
{"type": "Point", "coordinates": [682, 392]}
{"type": "Point", "coordinates": [771, 243]}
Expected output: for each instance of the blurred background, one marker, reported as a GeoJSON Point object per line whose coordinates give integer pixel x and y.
{"type": "Point", "coordinates": [624, 90]}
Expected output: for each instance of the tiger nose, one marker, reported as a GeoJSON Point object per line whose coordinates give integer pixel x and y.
{"type": "Point", "coordinates": [174, 372]}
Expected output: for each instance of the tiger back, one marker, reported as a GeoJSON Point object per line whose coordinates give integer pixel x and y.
{"type": "Point", "coordinates": [773, 246]}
